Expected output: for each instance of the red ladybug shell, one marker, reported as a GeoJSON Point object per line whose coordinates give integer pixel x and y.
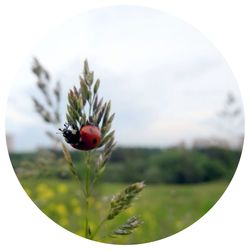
{"type": "Point", "coordinates": [90, 137]}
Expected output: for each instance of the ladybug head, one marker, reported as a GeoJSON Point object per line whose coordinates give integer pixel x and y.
{"type": "Point", "coordinates": [71, 135]}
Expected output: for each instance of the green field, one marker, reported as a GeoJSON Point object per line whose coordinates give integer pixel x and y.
{"type": "Point", "coordinates": [165, 209]}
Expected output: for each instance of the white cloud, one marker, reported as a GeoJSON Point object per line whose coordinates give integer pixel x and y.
{"type": "Point", "coordinates": [19, 118]}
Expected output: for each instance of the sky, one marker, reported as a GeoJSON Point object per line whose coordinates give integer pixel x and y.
{"type": "Point", "coordinates": [166, 81]}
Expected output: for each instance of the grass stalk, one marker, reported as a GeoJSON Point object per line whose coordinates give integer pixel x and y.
{"type": "Point", "coordinates": [98, 228]}
{"type": "Point", "coordinates": [87, 194]}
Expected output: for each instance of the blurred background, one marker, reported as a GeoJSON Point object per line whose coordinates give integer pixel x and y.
{"type": "Point", "coordinates": [179, 119]}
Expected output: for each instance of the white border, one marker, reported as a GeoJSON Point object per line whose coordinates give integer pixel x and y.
{"type": "Point", "coordinates": [23, 23]}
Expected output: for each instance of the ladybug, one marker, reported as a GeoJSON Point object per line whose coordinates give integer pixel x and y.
{"type": "Point", "coordinates": [87, 138]}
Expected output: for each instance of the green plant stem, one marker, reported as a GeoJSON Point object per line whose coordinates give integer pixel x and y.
{"type": "Point", "coordinates": [88, 188]}
{"type": "Point", "coordinates": [87, 194]}
{"type": "Point", "coordinates": [86, 219]}
{"type": "Point", "coordinates": [98, 228]}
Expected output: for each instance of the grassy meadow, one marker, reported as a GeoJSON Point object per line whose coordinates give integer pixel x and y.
{"type": "Point", "coordinates": [165, 208]}
{"type": "Point", "coordinates": [181, 186]}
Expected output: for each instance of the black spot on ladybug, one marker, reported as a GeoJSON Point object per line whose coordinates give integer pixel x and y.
{"type": "Point", "coordinates": [81, 142]}
{"type": "Point", "coordinates": [94, 141]}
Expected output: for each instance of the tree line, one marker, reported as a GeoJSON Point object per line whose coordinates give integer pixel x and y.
{"type": "Point", "coordinates": [153, 165]}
